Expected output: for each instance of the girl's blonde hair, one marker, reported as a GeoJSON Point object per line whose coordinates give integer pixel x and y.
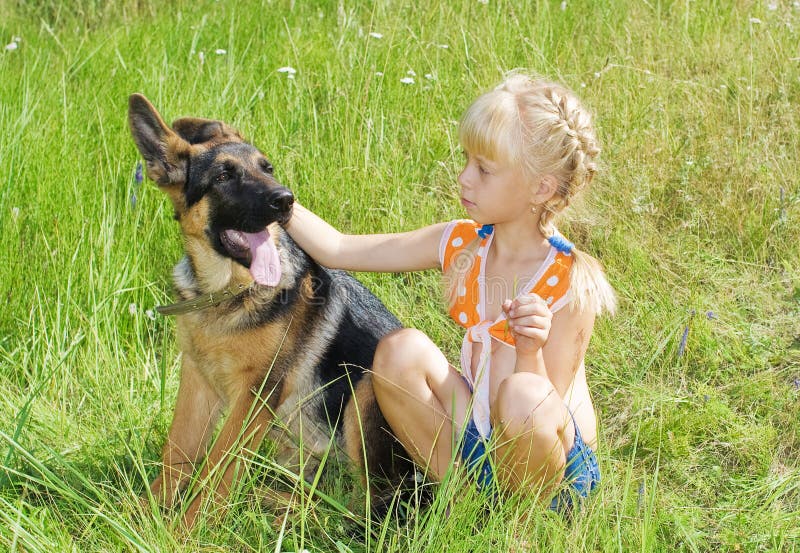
{"type": "Point", "coordinates": [543, 127]}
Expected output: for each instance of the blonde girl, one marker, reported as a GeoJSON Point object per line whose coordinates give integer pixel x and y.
{"type": "Point", "coordinates": [517, 411]}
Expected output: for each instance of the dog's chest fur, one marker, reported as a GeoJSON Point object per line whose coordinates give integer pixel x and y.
{"type": "Point", "coordinates": [228, 359]}
{"type": "Point", "coordinates": [237, 354]}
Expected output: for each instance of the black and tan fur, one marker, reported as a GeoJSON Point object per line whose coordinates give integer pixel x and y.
{"type": "Point", "coordinates": [287, 360]}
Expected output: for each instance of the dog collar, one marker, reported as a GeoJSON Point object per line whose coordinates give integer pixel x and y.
{"type": "Point", "coordinates": [203, 301]}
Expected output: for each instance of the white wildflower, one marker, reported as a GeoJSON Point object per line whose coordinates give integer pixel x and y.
{"type": "Point", "coordinates": [15, 213]}
{"type": "Point", "coordinates": [755, 21]}
{"type": "Point", "coordinates": [483, 1]}
{"type": "Point", "coordinates": [287, 69]}
{"type": "Point", "coordinates": [150, 314]}
{"type": "Point", "coordinates": [772, 6]}
{"type": "Point", "coordinates": [564, 6]}
{"type": "Point", "coordinates": [430, 77]}
{"type": "Point", "coordinates": [132, 309]}
{"type": "Point", "coordinates": [376, 35]}
{"type": "Point", "coordinates": [596, 74]}
{"type": "Point", "coordinates": [379, 73]}
{"type": "Point", "coordinates": [11, 46]}
{"type": "Point", "coordinates": [411, 73]}
{"type": "Point", "coordinates": [443, 46]}
{"type": "Point", "coordinates": [583, 85]}
{"type": "Point", "coordinates": [220, 52]}
{"type": "Point", "coordinates": [407, 80]}
{"type": "Point", "coordinates": [202, 57]}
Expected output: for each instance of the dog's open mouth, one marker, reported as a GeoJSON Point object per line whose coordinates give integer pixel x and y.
{"type": "Point", "coordinates": [256, 251]}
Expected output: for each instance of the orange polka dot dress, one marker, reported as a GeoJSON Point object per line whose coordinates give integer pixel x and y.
{"type": "Point", "coordinates": [551, 282]}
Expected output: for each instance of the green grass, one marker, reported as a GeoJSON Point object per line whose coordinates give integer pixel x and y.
{"type": "Point", "coordinates": [696, 209]}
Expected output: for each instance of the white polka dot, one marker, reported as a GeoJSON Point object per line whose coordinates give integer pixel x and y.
{"type": "Point", "coordinates": [550, 300]}
{"type": "Point", "coordinates": [462, 291]}
{"type": "Point", "coordinates": [552, 281]}
{"type": "Point", "coordinates": [480, 251]}
{"type": "Point", "coordinates": [457, 242]}
{"type": "Point", "coordinates": [462, 317]}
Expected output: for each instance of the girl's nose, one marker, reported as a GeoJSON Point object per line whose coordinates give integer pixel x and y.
{"type": "Point", "coordinates": [463, 177]}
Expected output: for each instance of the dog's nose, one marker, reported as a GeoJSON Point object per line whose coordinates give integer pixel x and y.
{"type": "Point", "coordinates": [282, 201]}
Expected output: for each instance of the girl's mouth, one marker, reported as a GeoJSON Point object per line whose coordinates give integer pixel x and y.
{"type": "Point", "coordinates": [467, 203]}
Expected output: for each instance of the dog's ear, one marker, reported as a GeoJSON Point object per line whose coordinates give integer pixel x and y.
{"type": "Point", "coordinates": [164, 151]}
{"type": "Point", "coordinates": [198, 131]}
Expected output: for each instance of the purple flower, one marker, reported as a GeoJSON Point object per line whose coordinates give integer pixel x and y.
{"type": "Point", "coordinates": [138, 177]}
{"type": "Point", "coordinates": [711, 316]}
{"type": "Point", "coordinates": [682, 345]}
{"type": "Point", "coordinates": [640, 499]}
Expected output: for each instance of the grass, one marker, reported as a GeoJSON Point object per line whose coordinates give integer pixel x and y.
{"type": "Point", "coordinates": [695, 216]}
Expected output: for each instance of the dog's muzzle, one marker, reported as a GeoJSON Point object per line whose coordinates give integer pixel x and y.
{"type": "Point", "coordinates": [281, 202]}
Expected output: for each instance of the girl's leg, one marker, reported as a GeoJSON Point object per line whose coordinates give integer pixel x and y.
{"type": "Point", "coordinates": [422, 397]}
{"type": "Point", "coordinates": [534, 432]}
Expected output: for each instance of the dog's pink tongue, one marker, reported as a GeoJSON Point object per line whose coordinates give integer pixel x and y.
{"type": "Point", "coordinates": [265, 266]}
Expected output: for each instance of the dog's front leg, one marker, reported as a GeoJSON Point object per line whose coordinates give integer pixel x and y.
{"type": "Point", "coordinates": [239, 438]}
{"type": "Point", "coordinates": [196, 413]}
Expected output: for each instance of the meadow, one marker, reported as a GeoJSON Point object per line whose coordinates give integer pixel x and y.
{"type": "Point", "coordinates": [694, 214]}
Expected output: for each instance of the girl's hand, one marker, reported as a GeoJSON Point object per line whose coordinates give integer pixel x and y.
{"type": "Point", "coordinates": [529, 321]}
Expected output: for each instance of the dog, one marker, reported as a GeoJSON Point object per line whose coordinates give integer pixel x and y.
{"type": "Point", "coordinates": [265, 333]}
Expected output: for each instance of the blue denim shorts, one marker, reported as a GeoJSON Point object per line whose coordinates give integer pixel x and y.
{"type": "Point", "coordinates": [581, 473]}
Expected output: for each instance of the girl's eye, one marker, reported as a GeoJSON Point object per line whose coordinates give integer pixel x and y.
{"type": "Point", "coordinates": [482, 169]}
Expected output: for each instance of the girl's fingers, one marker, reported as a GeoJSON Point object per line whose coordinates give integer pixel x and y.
{"type": "Point", "coordinates": [530, 332]}
{"type": "Point", "coordinates": [529, 309]}
{"type": "Point", "coordinates": [535, 321]}
{"type": "Point", "coordinates": [527, 299]}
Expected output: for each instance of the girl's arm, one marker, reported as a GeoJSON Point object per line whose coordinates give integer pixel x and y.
{"type": "Point", "coordinates": [566, 346]}
{"type": "Point", "coordinates": [551, 345]}
{"type": "Point", "coordinates": [407, 251]}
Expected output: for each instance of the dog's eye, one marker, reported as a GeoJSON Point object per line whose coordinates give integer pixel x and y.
{"type": "Point", "coordinates": [225, 176]}
{"type": "Point", "coordinates": [266, 166]}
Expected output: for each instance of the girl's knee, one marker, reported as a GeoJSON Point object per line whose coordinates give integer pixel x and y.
{"type": "Point", "coordinates": [525, 403]}
{"type": "Point", "coordinates": [400, 354]}
{"type": "Point", "coordinates": [529, 416]}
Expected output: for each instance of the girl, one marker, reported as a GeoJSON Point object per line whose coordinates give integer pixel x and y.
{"type": "Point", "coordinates": [530, 148]}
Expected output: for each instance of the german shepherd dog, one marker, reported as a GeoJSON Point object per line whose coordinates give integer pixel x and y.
{"type": "Point", "coordinates": [266, 334]}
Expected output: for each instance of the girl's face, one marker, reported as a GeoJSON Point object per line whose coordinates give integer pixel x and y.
{"type": "Point", "coordinates": [492, 192]}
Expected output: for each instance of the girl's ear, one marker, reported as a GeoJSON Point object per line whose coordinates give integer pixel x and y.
{"type": "Point", "coordinates": [545, 190]}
